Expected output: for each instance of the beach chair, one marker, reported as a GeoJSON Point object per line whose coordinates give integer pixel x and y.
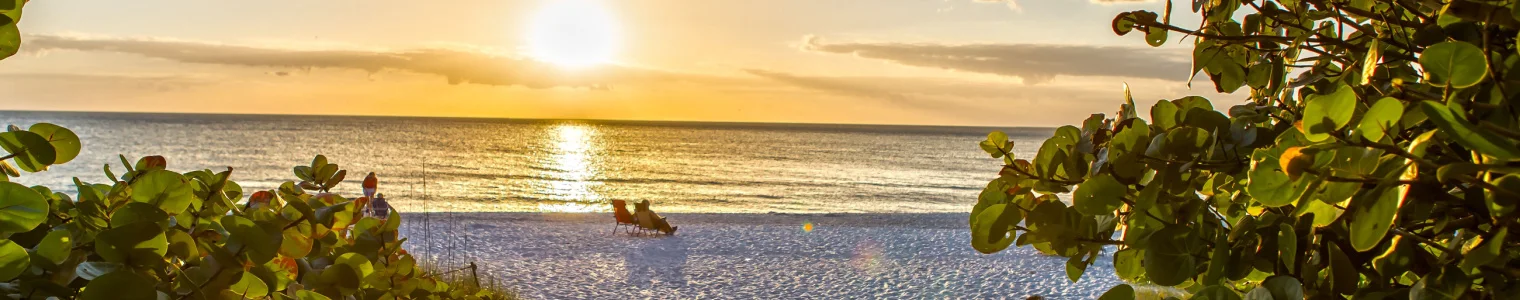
{"type": "Point", "coordinates": [623, 217]}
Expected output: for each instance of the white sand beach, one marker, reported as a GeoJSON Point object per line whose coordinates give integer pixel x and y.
{"type": "Point", "coordinates": [745, 256]}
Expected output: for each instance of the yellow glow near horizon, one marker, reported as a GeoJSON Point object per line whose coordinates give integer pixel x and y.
{"type": "Point", "coordinates": [574, 33]}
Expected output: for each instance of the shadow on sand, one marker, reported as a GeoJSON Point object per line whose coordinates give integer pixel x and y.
{"type": "Point", "coordinates": [656, 260]}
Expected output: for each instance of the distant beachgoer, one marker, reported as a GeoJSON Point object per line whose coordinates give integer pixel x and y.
{"type": "Point", "coordinates": [655, 221]}
{"type": "Point", "coordinates": [370, 185]}
{"type": "Point", "coordinates": [379, 208]}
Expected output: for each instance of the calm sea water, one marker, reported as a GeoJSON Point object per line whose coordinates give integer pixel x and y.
{"type": "Point", "coordinates": [546, 165]}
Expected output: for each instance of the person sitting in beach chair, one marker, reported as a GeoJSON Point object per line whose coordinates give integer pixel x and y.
{"type": "Point", "coordinates": [649, 220]}
{"type": "Point", "coordinates": [623, 217]}
{"type": "Point", "coordinates": [378, 208]}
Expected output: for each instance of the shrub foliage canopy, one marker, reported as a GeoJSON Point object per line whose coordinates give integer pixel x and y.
{"type": "Point", "coordinates": [1375, 156]}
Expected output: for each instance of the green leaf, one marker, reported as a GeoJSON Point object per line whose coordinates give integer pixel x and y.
{"type": "Point", "coordinates": [1284, 287]}
{"type": "Point", "coordinates": [1127, 264]}
{"type": "Point", "coordinates": [260, 244]}
{"type": "Point", "coordinates": [1486, 251]}
{"type": "Point", "coordinates": [139, 212]}
{"type": "Point", "coordinates": [1446, 283]}
{"type": "Point", "coordinates": [1456, 63]}
{"type": "Point", "coordinates": [1468, 135]}
{"type": "Point", "coordinates": [1156, 36]}
{"type": "Point", "coordinates": [1167, 259]}
{"type": "Point", "coordinates": [309, 295]}
{"type": "Point", "coordinates": [1381, 118]}
{"type": "Point", "coordinates": [21, 208]}
{"type": "Point", "coordinates": [1075, 266]}
{"type": "Point", "coordinates": [1329, 113]}
{"type": "Point", "coordinates": [1216, 292]}
{"type": "Point", "coordinates": [1270, 186]}
{"type": "Point", "coordinates": [65, 142]}
{"type": "Point", "coordinates": [33, 152]}
{"type": "Point", "coordinates": [1344, 276]}
{"type": "Point", "coordinates": [1119, 292]}
{"type": "Point", "coordinates": [986, 236]}
{"type": "Point", "coordinates": [1164, 114]}
{"type": "Point", "coordinates": [1099, 195]}
{"type": "Point", "coordinates": [122, 284]}
{"type": "Point", "coordinates": [358, 262]}
{"type": "Point", "coordinates": [250, 286]}
{"type": "Point", "coordinates": [1287, 243]}
{"type": "Point", "coordinates": [1372, 213]}
{"type": "Point", "coordinates": [170, 191]}
{"type": "Point", "coordinates": [10, 35]}
{"type": "Point", "coordinates": [136, 243]}
{"type": "Point", "coordinates": [13, 260]}
{"type": "Point", "coordinates": [55, 246]}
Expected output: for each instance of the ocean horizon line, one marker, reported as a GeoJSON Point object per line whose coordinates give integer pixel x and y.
{"type": "Point", "coordinates": [534, 120]}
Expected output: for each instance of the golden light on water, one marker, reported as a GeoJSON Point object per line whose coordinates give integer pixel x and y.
{"type": "Point", "coordinates": [571, 169]}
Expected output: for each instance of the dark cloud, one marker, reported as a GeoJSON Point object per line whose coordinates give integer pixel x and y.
{"type": "Point", "coordinates": [1035, 63]}
{"type": "Point", "coordinates": [455, 65]}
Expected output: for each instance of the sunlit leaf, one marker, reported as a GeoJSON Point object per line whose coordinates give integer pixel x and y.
{"type": "Point", "coordinates": [1383, 116]}
{"type": "Point", "coordinates": [1328, 113]}
{"type": "Point", "coordinates": [13, 260]}
{"type": "Point", "coordinates": [1456, 63]}
{"type": "Point", "coordinates": [21, 208]}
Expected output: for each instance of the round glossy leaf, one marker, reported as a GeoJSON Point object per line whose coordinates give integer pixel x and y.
{"type": "Point", "coordinates": [1372, 213]}
{"type": "Point", "coordinates": [1284, 287]}
{"type": "Point", "coordinates": [1457, 63]}
{"type": "Point", "coordinates": [65, 142]}
{"type": "Point", "coordinates": [1127, 264]}
{"type": "Point", "coordinates": [1119, 292]}
{"type": "Point", "coordinates": [1156, 36]}
{"type": "Point", "coordinates": [21, 208]}
{"type": "Point", "coordinates": [1164, 114]}
{"type": "Point", "coordinates": [984, 229]}
{"type": "Point", "coordinates": [170, 191]}
{"type": "Point", "coordinates": [1216, 292]}
{"type": "Point", "coordinates": [1328, 113]}
{"type": "Point", "coordinates": [139, 242]}
{"type": "Point", "coordinates": [358, 262]}
{"type": "Point", "coordinates": [1269, 186]}
{"type": "Point", "coordinates": [1099, 195]}
{"type": "Point", "coordinates": [250, 287]}
{"type": "Point", "coordinates": [1380, 118]}
{"type": "Point", "coordinates": [13, 260]}
{"type": "Point", "coordinates": [260, 244]}
{"type": "Point", "coordinates": [121, 284]}
{"type": "Point", "coordinates": [139, 212]}
{"type": "Point", "coordinates": [33, 152]}
{"type": "Point", "coordinates": [55, 246]}
{"type": "Point", "coordinates": [1167, 261]}
{"type": "Point", "coordinates": [309, 295]}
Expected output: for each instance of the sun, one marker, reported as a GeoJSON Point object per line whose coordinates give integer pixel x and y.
{"type": "Point", "coordinates": [574, 33]}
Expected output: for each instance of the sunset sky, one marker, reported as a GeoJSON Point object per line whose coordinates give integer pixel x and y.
{"type": "Point", "coordinates": [941, 62]}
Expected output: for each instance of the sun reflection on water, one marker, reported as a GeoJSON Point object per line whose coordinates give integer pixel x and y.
{"type": "Point", "coordinates": [571, 169]}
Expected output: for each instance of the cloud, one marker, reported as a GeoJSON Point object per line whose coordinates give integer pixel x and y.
{"type": "Point", "coordinates": [1012, 4]}
{"type": "Point", "coordinates": [1034, 63]}
{"type": "Point", "coordinates": [458, 66]}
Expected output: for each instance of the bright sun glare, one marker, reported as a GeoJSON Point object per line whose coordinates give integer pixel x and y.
{"type": "Point", "coordinates": [573, 33]}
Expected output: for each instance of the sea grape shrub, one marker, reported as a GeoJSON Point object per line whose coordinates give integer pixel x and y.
{"type": "Point", "coordinates": [1374, 156]}
{"type": "Point", "coordinates": [152, 233]}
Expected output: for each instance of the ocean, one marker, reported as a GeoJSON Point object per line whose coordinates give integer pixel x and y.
{"type": "Point", "coordinates": [483, 165]}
